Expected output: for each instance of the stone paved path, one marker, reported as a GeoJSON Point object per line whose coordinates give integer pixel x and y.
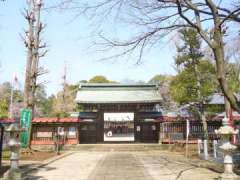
{"type": "Point", "coordinates": [121, 166]}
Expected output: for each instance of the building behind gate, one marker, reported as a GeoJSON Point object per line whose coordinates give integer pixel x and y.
{"type": "Point", "coordinates": [119, 113]}
{"type": "Point", "coordinates": [99, 100]}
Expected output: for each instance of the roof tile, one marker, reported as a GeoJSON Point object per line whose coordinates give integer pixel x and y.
{"type": "Point", "coordinates": [7, 120]}
{"type": "Point", "coordinates": [56, 120]}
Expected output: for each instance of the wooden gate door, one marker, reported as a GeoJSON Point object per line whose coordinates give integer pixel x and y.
{"type": "Point", "coordinates": [149, 132]}
{"type": "Point", "coordinates": [87, 133]}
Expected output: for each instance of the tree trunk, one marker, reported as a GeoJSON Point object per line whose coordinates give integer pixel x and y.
{"type": "Point", "coordinates": [218, 52]}
{"type": "Point", "coordinates": [35, 64]}
{"type": "Point", "coordinates": [27, 86]}
{"type": "Point", "coordinates": [202, 113]}
{"type": "Point", "coordinates": [201, 101]}
{"type": "Point", "coordinates": [204, 122]}
{"type": "Point", "coordinates": [227, 107]}
{"type": "Point", "coordinates": [29, 44]}
{"type": "Point", "coordinates": [28, 76]}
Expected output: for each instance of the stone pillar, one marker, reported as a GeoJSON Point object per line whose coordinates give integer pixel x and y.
{"type": "Point", "coordinates": [226, 131]}
{"type": "Point", "coordinates": [228, 168]}
{"type": "Point", "coordinates": [215, 148]}
{"type": "Point", "coordinates": [14, 173]}
{"type": "Point", "coordinates": [199, 146]}
{"type": "Point", "coordinates": [205, 149]}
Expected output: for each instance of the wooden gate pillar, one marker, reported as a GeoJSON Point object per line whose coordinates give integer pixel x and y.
{"type": "Point", "coordinates": [137, 128]}
{"type": "Point", "coordinates": [100, 126]}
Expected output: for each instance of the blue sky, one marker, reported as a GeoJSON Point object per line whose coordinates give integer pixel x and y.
{"type": "Point", "coordinates": [69, 41]}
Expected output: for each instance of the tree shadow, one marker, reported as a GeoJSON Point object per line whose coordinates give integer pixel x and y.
{"type": "Point", "coordinates": [3, 169]}
{"type": "Point", "coordinates": [32, 177]}
{"type": "Point", "coordinates": [31, 174]}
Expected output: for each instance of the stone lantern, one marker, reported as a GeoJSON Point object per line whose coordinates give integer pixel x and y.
{"type": "Point", "coordinates": [14, 146]}
{"type": "Point", "coordinates": [226, 131]}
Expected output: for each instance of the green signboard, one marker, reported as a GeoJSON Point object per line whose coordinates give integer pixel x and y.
{"type": "Point", "coordinates": [25, 121]}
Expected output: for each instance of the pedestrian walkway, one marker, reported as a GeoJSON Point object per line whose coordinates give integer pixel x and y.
{"type": "Point", "coordinates": [121, 166]}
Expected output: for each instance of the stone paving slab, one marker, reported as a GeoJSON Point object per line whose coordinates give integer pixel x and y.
{"type": "Point", "coordinates": [121, 166]}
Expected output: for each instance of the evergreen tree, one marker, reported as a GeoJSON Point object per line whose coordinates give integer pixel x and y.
{"type": "Point", "coordinates": [99, 79]}
{"type": "Point", "coordinates": [195, 80]}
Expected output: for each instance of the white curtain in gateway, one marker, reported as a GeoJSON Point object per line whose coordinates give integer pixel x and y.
{"type": "Point", "coordinates": [119, 116]}
{"type": "Point", "coordinates": [119, 126]}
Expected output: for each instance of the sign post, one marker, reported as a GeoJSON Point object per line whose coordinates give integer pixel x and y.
{"type": "Point", "coordinates": [25, 121]}
{"type": "Point", "coordinates": [187, 134]}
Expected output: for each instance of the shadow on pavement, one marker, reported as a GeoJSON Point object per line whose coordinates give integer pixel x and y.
{"type": "Point", "coordinates": [31, 175]}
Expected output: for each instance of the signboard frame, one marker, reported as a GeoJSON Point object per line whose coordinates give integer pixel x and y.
{"type": "Point", "coordinates": [25, 122]}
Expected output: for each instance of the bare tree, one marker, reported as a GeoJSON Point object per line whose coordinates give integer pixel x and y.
{"type": "Point", "coordinates": [233, 50]}
{"type": "Point", "coordinates": [34, 45]}
{"type": "Point", "coordinates": [34, 53]}
{"type": "Point", "coordinates": [232, 64]}
{"type": "Point", "coordinates": [213, 20]}
{"type": "Point", "coordinates": [29, 16]}
{"type": "Point", "coordinates": [64, 84]}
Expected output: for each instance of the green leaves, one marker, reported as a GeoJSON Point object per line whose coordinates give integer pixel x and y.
{"type": "Point", "coordinates": [159, 79]}
{"type": "Point", "coordinates": [99, 79]}
{"type": "Point", "coordinates": [196, 76]}
{"type": "Point", "coordinates": [189, 49]}
{"type": "Point", "coordinates": [3, 109]}
{"type": "Point", "coordinates": [233, 76]}
{"type": "Point", "coordinates": [184, 88]}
